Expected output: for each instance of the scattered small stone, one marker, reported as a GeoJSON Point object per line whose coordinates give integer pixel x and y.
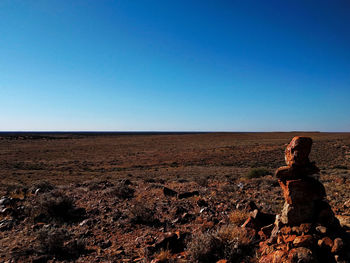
{"type": "Point", "coordinates": [301, 254]}
{"type": "Point", "coordinates": [305, 228]}
{"type": "Point", "coordinates": [303, 241]}
{"type": "Point", "coordinates": [86, 222]}
{"type": "Point", "coordinates": [7, 211]}
{"type": "Point", "coordinates": [5, 201]}
{"type": "Point", "coordinates": [337, 245]}
{"type": "Point", "coordinates": [321, 229]}
{"type": "Point", "coordinates": [347, 204]}
{"type": "Point", "coordinates": [6, 224]}
{"type": "Point", "coordinates": [325, 242]}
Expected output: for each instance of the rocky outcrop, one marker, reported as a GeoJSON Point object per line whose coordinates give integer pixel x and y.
{"type": "Point", "coordinates": [306, 230]}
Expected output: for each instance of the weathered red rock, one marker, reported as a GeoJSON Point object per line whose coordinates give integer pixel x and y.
{"type": "Point", "coordinates": [295, 172]}
{"type": "Point", "coordinates": [300, 196]}
{"type": "Point", "coordinates": [275, 257]}
{"type": "Point", "coordinates": [289, 238]}
{"type": "Point", "coordinates": [325, 242]}
{"type": "Point", "coordinates": [286, 230]}
{"type": "Point", "coordinates": [301, 254]}
{"type": "Point", "coordinates": [337, 245]}
{"type": "Point", "coordinates": [297, 151]}
{"type": "Point", "coordinates": [305, 228]}
{"type": "Point", "coordinates": [302, 190]}
{"type": "Point", "coordinates": [303, 241]}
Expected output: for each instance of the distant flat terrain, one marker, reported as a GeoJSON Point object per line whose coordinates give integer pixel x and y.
{"type": "Point", "coordinates": [78, 156]}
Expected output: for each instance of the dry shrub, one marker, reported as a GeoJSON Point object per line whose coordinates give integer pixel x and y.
{"type": "Point", "coordinates": [142, 213]}
{"type": "Point", "coordinates": [99, 185]}
{"type": "Point", "coordinates": [257, 172]}
{"type": "Point", "coordinates": [203, 248]}
{"type": "Point", "coordinates": [123, 191]}
{"type": "Point", "coordinates": [56, 206]}
{"type": "Point", "coordinates": [18, 191]}
{"type": "Point", "coordinates": [164, 256]}
{"type": "Point", "coordinates": [59, 243]}
{"type": "Point", "coordinates": [238, 217]}
{"type": "Point", "coordinates": [228, 242]}
{"type": "Point", "coordinates": [202, 180]}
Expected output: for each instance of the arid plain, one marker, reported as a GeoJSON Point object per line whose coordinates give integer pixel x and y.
{"type": "Point", "coordinates": [144, 197]}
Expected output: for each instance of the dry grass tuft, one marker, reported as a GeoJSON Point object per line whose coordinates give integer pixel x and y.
{"type": "Point", "coordinates": [228, 242]}
{"type": "Point", "coordinates": [238, 217]}
{"type": "Point", "coordinates": [59, 243]}
{"type": "Point", "coordinates": [57, 207]}
{"type": "Point", "coordinates": [257, 173]}
{"type": "Point", "coordinates": [164, 256]}
{"type": "Point", "coordinates": [142, 213]}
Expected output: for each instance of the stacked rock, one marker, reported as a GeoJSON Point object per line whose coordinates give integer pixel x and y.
{"type": "Point", "coordinates": [307, 229]}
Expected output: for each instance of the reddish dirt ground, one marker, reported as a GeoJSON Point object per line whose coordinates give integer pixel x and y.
{"type": "Point", "coordinates": [118, 178]}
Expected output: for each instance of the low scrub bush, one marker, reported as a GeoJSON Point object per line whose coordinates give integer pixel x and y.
{"type": "Point", "coordinates": [120, 191]}
{"type": "Point", "coordinates": [238, 217]}
{"type": "Point", "coordinates": [99, 185]}
{"type": "Point", "coordinates": [16, 191]}
{"type": "Point", "coordinates": [123, 191]}
{"type": "Point", "coordinates": [56, 206]}
{"type": "Point", "coordinates": [164, 256]}
{"type": "Point", "coordinates": [202, 180]}
{"type": "Point", "coordinates": [59, 243]}
{"type": "Point", "coordinates": [228, 242]}
{"type": "Point", "coordinates": [257, 172]}
{"type": "Point", "coordinates": [143, 214]}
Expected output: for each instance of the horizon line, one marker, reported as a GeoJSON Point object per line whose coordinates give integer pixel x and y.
{"type": "Point", "coordinates": [163, 131]}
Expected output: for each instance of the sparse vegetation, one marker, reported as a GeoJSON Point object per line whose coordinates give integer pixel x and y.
{"type": "Point", "coordinates": [99, 185]}
{"type": "Point", "coordinates": [257, 173]}
{"type": "Point", "coordinates": [59, 243]}
{"type": "Point", "coordinates": [56, 206]}
{"type": "Point", "coordinates": [237, 217]}
{"type": "Point", "coordinates": [16, 190]}
{"type": "Point", "coordinates": [228, 242]}
{"type": "Point", "coordinates": [142, 213]}
{"type": "Point", "coordinates": [164, 256]}
{"type": "Point", "coordinates": [121, 191]}
{"type": "Point", "coordinates": [202, 180]}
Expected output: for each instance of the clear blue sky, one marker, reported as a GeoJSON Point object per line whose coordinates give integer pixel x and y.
{"type": "Point", "coordinates": [175, 65]}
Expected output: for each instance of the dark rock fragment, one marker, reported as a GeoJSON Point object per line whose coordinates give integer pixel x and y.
{"type": "Point", "coordinates": [188, 194]}
{"type": "Point", "coordinates": [169, 192]}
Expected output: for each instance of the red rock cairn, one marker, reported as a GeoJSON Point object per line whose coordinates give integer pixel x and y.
{"type": "Point", "coordinates": [306, 230]}
{"type": "Point", "coordinates": [304, 195]}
